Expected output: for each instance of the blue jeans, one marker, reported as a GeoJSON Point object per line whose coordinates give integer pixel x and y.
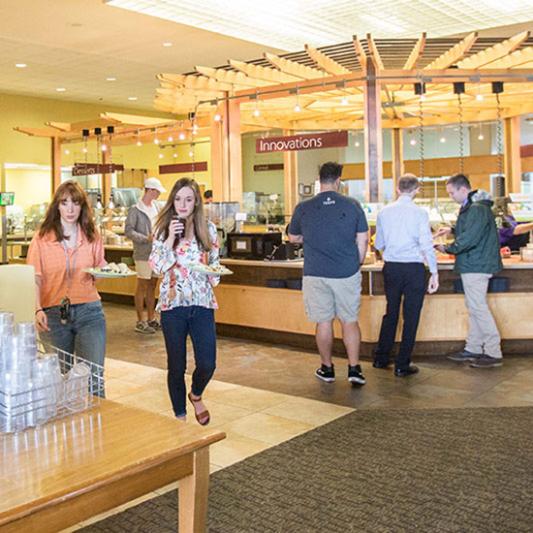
{"type": "Point", "coordinates": [177, 324]}
{"type": "Point", "coordinates": [84, 334]}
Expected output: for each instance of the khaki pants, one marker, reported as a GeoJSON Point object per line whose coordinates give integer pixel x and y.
{"type": "Point", "coordinates": [483, 335]}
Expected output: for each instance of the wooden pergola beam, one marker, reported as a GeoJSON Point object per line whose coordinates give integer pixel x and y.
{"type": "Point", "coordinates": [325, 63]}
{"type": "Point", "coordinates": [360, 52]}
{"type": "Point", "coordinates": [520, 58]}
{"type": "Point", "coordinates": [237, 80]}
{"type": "Point", "coordinates": [374, 52]}
{"type": "Point", "coordinates": [454, 54]}
{"type": "Point", "coordinates": [416, 53]}
{"type": "Point", "coordinates": [292, 68]}
{"type": "Point", "coordinates": [494, 53]}
{"type": "Point", "coordinates": [194, 82]}
{"type": "Point", "coordinates": [262, 74]}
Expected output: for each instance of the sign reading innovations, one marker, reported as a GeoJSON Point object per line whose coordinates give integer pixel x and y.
{"type": "Point", "coordinates": [308, 141]}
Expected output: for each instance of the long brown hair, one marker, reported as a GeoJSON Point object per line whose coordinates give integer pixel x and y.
{"type": "Point", "coordinates": [52, 219]}
{"type": "Point", "coordinates": [199, 221]}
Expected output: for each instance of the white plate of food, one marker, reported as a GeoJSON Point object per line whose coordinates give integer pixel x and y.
{"type": "Point", "coordinates": [111, 270]}
{"type": "Point", "coordinates": [210, 270]}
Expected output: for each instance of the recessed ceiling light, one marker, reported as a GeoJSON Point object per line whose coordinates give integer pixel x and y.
{"type": "Point", "coordinates": [132, 98]}
{"type": "Point", "coordinates": [60, 89]}
{"type": "Point", "coordinates": [167, 44]}
{"type": "Point", "coordinates": [111, 79]}
{"type": "Point", "coordinates": [20, 65]}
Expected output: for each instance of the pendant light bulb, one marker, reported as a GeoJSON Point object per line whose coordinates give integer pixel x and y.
{"type": "Point", "coordinates": [156, 141]}
{"type": "Point", "coordinates": [412, 142]}
{"type": "Point", "coordinates": [181, 136]}
{"type": "Point", "coordinates": [84, 150]}
{"type": "Point", "coordinates": [139, 143]}
{"type": "Point", "coordinates": [161, 156]}
{"type": "Point", "coordinates": [357, 144]}
{"type": "Point", "coordinates": [443, 139]}
{"type": "Point", "coordinates": [297, 108]}
{"type": "Point", "coordinates": [344, 101]}
{"type": "Point", "coordinates": [217, 117]}
{"type": "Point", "coordinates": [103, 148]}
{"type": "Point", "coordinates": [170, 138]}
{"type": "Point", "coordinates": [480, 137]}
{"type": "Point", "coordinates": [480, 97]}
{"type": "Point", "coordinates": [256, 112]}
{"type": "Point", "coordinates": [67, 151]}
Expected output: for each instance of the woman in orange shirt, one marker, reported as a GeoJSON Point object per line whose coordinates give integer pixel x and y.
{"type": "Point", "coordinates": [69, 312]}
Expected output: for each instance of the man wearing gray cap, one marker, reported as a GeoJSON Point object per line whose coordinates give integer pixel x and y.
{"type": "Point", "coordinates": [139, 224]}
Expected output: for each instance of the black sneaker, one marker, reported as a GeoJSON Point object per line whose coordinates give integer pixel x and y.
{"type": "Point", "coordinates": [355, 375]}
{"type": "Point", "coordinates": [486, 361]}
{"type": "Point", "coordinates": [326, 373]}
{"type": "Point", "coordinates": [463, 355]}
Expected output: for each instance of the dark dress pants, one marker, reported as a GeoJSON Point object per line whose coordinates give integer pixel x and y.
{"type": "Point", "coordinates": [407, 280]}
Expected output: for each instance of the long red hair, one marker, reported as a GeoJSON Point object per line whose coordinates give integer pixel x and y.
{"type": "Point", "coordinates": [52, 219]}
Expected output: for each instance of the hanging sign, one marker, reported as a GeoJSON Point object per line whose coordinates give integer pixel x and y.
{"type": "Point", "coordinates": [179, 168]}
{"type": "Point", "coordinates": [269, 166]}
{"type": "Point", "coordinates": [86, 169]}
{"type": "Point", "coordinates": [307, 141]}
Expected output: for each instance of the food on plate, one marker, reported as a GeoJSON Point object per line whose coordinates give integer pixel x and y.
{"type": "Point", "coordinates": [215, 270]}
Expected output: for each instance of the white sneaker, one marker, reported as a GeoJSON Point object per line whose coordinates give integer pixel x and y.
{"type": "Point", "coordinates": [143, 327]}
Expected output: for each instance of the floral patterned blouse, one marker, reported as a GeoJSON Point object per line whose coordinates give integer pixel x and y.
{"type": "Point", "coordinates": [181, 286]}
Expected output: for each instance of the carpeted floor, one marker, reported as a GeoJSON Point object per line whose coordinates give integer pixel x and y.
{"type": "Point", "coordinates": [445, 470]}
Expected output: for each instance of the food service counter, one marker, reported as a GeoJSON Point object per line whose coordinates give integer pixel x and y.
{"type": "Point", "coordinates": [250, 309]}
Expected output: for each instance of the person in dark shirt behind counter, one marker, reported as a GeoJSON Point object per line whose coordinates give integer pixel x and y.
{"type": "Point", "coordinates": [334, 233]}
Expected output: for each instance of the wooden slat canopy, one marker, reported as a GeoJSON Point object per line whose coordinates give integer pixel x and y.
{"type": "Point", "coordinates": [327, 83]}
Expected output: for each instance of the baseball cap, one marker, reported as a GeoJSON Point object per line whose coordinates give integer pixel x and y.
{"type": "Point", "coordinates": [154, 183]}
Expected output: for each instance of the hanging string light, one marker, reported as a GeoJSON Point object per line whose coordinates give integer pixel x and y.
{"type": "Point", "coordinates": [480, 137]}
{"type": "Point", "coordinates": [256, 111]}
{"type": "Point", "coordinates": [420, 89]}
{"type": "Point", "coordinates": [497, 88]}
{"type": "Point", "coordinates": [156, 140]}
{"type": "Point", "coordinates": [459, 89]}
{"type": "Point", "coordinates": [217, 117]}
{"type": "Point", "coordinates": [139, 143]}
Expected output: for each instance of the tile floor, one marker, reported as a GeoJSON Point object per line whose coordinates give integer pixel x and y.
{"type": "Point", "coordinates": [264, 395]}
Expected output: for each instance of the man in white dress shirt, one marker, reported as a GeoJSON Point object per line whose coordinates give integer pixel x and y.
{"type": "Point", "coordinates": [403, 234]}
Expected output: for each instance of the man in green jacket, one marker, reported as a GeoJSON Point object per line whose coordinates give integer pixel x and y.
{"type": "Point", "coordinates": [477, 259]}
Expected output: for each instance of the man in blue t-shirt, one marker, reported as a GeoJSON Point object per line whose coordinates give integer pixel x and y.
{"type": "Point", "coordinates": [334, 233]}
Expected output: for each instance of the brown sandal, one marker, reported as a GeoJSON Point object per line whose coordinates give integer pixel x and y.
{"type": "Point", "coordinates": [202, 418]}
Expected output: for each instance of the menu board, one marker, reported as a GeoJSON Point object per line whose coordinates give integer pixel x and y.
{"type": "Point", "coordinates": [7, 198]}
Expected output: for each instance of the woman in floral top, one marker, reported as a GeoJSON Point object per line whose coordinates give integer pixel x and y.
{"type": "Point", "coordinates": [183, 238]}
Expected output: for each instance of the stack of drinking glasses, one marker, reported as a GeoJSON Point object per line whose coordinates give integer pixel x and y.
{"type": "Point", "coordinates": [33, 389]}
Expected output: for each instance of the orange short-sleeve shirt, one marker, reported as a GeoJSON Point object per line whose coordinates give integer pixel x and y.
{"type": "Point", "coordinates": [50, 258]}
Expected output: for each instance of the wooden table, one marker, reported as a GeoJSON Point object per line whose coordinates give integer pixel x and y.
{"type": "Point", "coordinates": [62, 473]}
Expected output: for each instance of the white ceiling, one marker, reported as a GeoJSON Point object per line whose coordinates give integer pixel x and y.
{"type": "Point", "coordinates": [77, 44]}
{"type": "Point", "coordinates": [289, 24]}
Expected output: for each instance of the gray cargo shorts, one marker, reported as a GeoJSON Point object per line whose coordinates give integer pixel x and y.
{"type": "Point", "coordinates": [327, 298]}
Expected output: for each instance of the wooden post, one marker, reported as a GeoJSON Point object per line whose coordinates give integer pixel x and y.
{"type": "Point", "coordinates": [511, 151]}
{"type": "Point", "coordinates": [235, 151]}
{"type": "Point", "coordinates": [290, 178]}
{"type": "Point", "coordinates": [226, 154]}
{"type": "Point", "coordinates": [397, 156]}
{"type": "Point", "coordinates": [55, 178]}
{"type": "Point", "coordinates": [373, 137]}
{"type": "Point", "coordinates": [219, 164]}
{"type": "Point", "coordinates": [192, 493]}
{"type": "Point", "coordinates": [106, 176]}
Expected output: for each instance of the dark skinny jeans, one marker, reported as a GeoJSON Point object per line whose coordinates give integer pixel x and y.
{"type": "Point", "coordinates": [177, 324]}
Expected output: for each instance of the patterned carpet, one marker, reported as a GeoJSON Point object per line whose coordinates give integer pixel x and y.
{"type": "Point", "coordinates": [445, 470]}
